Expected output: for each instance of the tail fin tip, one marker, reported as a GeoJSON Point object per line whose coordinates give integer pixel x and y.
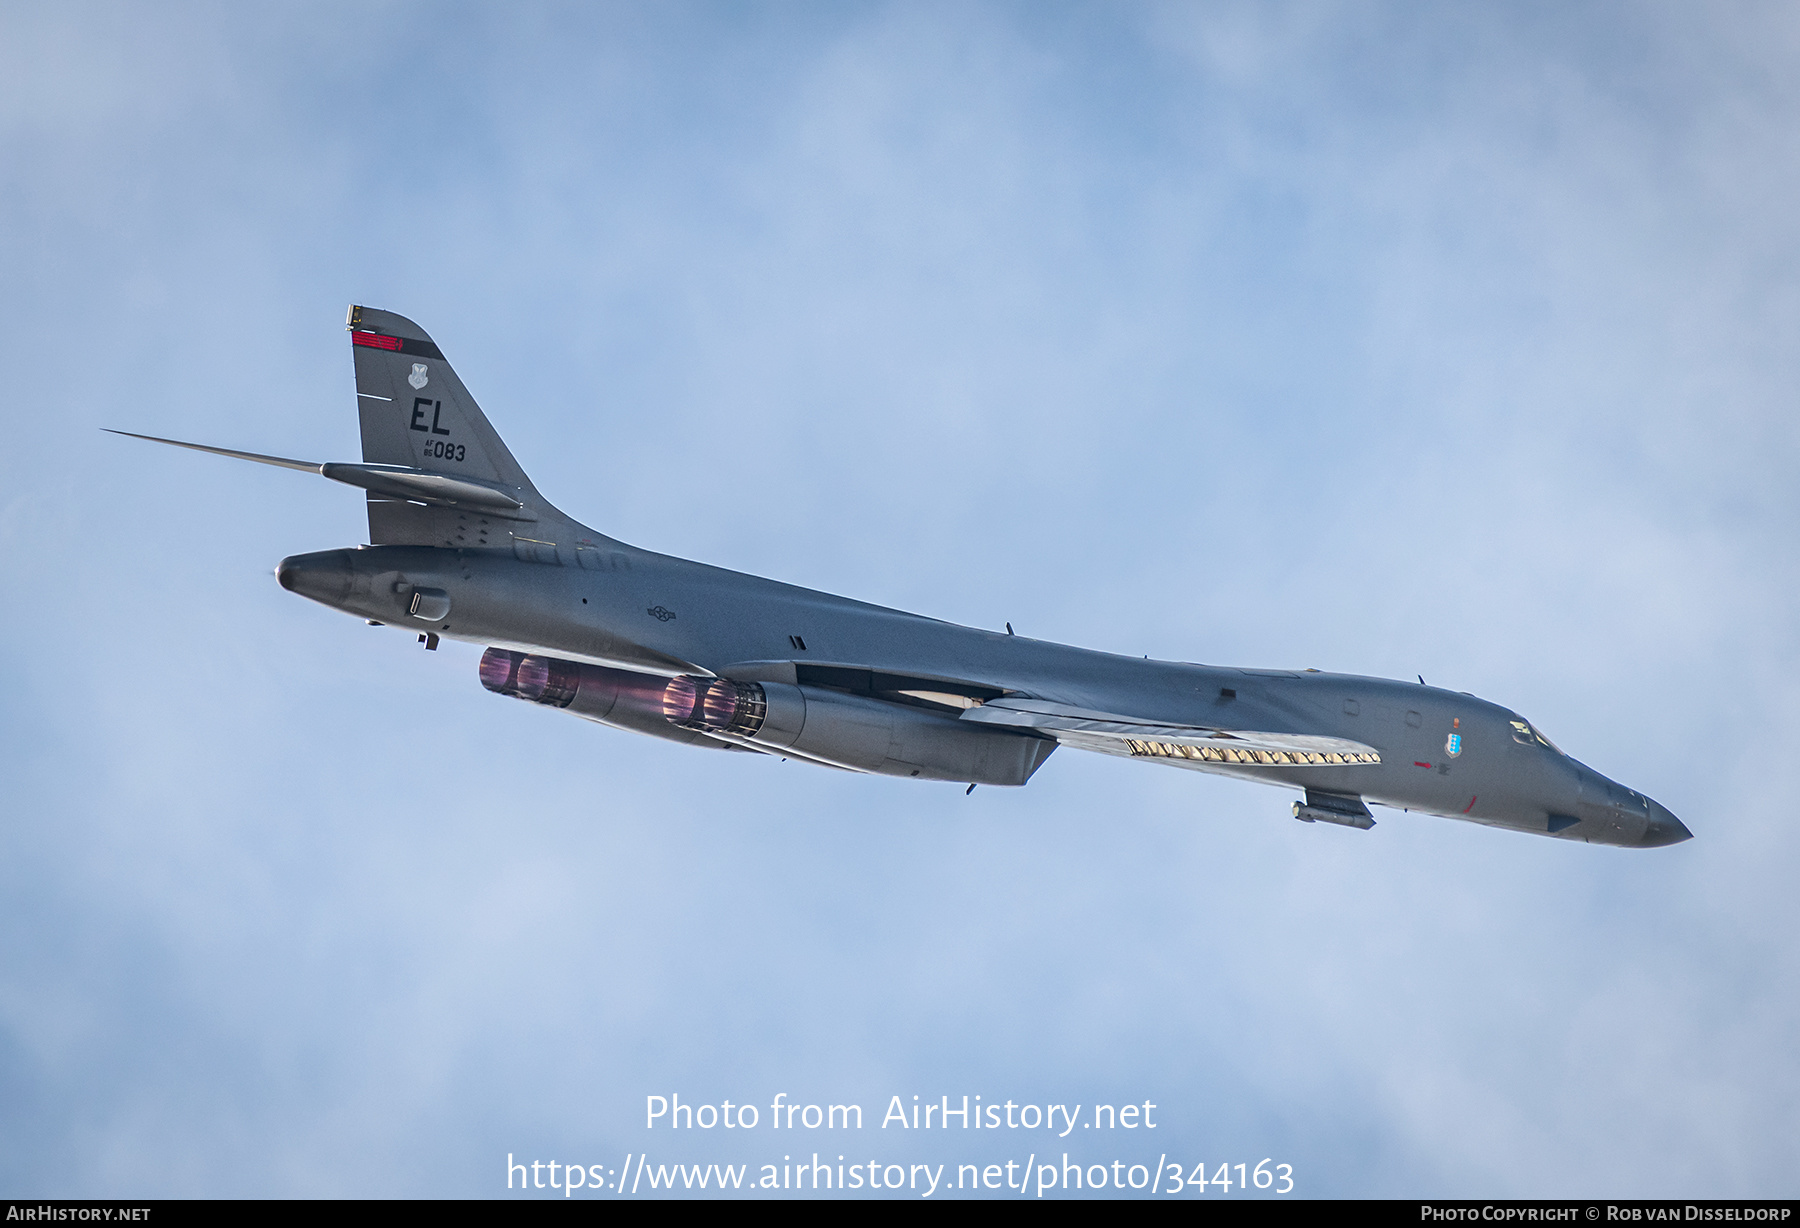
{"type": "Point", "coordinates": [415, 412]}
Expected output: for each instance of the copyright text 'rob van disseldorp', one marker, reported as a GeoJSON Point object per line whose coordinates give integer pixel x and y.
{"type": "Point", "coordinates": [836, 1148]}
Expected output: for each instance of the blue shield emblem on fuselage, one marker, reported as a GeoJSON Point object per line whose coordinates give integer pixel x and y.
{"type": "Point", "coordinates": [1453, 745]}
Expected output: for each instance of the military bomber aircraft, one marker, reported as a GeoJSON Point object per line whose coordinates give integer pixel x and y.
{"type": "Point", "coordinates": [462, 545]}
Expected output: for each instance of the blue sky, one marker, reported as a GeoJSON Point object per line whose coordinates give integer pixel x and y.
{"type": "Point", "coordinates": [1388, 339]}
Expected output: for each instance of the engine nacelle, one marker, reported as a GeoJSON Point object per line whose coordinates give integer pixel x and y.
{"type": "Point", "coordinates": [832, 727]}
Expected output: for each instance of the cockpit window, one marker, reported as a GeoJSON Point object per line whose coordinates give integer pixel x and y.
{"type": "Point", "coordinates": [1526, 734]}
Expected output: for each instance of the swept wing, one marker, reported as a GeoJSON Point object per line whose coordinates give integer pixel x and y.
{"type": "Point", "coordinates": [1115, 734]}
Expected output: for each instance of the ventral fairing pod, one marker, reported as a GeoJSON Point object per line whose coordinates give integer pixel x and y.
{"type": "Point", "coordinates": [462, 546]}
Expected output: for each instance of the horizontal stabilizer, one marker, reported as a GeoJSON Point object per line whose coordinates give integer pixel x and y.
{"type": "Point", "coordinates": [391, 481]}
{"type": "Point", "coordinates": [258, 457]}
{"type": "Point", "coordinates": [401, 482]}
{"type": "Point", "coordinates": [1115, 734]}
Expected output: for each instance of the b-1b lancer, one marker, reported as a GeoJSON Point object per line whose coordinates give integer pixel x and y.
{"type": "Point", "coordinates": [462, 545]}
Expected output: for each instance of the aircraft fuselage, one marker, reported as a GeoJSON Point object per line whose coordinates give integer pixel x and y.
{"type": "Point", "coordinates": [463, 545]}
{"type": "Point", "coordinates": [612, 605]}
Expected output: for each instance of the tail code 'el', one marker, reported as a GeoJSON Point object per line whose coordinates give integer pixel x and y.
{"type": "Point", "coordinates": [416, 412]}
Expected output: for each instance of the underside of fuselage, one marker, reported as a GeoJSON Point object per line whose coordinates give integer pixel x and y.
{"type": "Point", "coordinates": [647, 641]}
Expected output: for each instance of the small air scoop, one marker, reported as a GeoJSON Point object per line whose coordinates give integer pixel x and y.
{"type": "Point", "coordinates": [430, 604]}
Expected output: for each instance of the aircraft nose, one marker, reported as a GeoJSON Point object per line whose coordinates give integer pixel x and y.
{"type": "Point", "coordinates": [324, 577]}
{"type": "Point", "coordinates": [1664, 828]}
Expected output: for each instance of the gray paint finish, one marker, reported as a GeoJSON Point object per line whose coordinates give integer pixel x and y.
{"type": "Point", "coordinates": [461, 525]}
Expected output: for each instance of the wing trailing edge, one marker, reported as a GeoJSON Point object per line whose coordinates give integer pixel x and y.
{"type": "Point", "coordinates": [1111, 733]}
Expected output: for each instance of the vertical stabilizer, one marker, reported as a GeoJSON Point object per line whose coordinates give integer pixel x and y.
{"type": "Point", "coordinates": [415, 412]}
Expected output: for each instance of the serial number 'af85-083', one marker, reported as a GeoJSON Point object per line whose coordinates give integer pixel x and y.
{"type": "Point", "coordinates": [463, 545]}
